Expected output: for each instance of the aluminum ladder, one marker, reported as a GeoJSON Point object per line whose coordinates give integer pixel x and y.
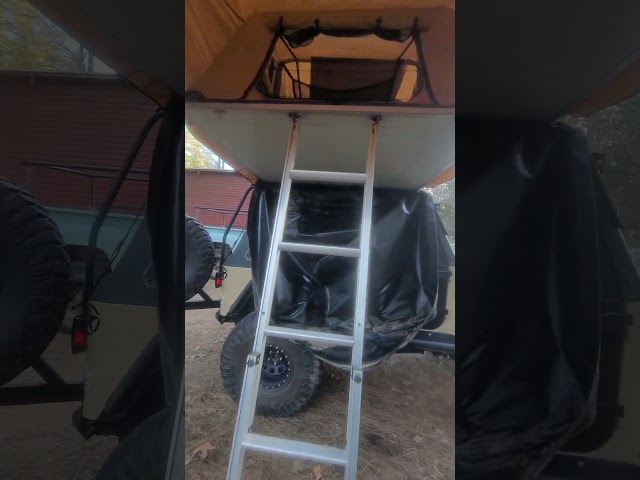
{"type": "Point", "coordinates": [243, 439]}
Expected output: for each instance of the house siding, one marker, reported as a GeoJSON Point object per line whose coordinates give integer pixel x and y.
{"type": "Point", "coordinates": [220, 190]}
{"type": "Point", "coordinates": [72, 120]}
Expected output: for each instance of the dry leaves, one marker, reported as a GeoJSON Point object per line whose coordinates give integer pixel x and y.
{"type": "Point", "coordinates": [394, 455]}
{"type": "Point", "coordinates": [203, 449]}
{"type": "Point", "coordinates": [317, 473]}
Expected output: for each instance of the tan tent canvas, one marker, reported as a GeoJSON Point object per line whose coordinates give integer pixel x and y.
{"type": "Point", "coordinates": [224, 36]}
{"type": "Point", "coordinates": [337, 66]}
{"type": "Point", "coordinates": [151, 54]}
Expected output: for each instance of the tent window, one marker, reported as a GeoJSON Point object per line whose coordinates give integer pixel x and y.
{"type": "Point", "coordinates": [312, 64]}
{"type": "Point", "coordinates": [339, 79]}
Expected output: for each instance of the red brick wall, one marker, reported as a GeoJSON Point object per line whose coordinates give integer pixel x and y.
{"type": "Point", "coordinates": [87, 120]}
{"type": "Point", "coordinates": [221, 190]}
{"type": "Point", "coordinates": [92, 120]}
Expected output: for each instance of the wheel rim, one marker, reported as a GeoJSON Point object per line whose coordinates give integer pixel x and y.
{"type": "Point", "coordinates": [277, 369]}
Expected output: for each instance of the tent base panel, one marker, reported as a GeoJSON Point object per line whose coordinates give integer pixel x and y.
{"type": "Point", "coordinates": [412, 148]}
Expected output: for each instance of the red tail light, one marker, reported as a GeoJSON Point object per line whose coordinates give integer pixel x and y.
{"type": "Point", "coordinates": [79, 336]}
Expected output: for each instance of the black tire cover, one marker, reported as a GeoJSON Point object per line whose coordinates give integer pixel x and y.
{"type": "Point", "coordinates": [34, 280]}
{"type": "Point", "coordinates": [199, 254]}
{"type": "Point", "coordinates": [142, 454]}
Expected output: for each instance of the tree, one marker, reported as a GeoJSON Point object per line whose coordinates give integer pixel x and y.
{"type": "Point", "coordinates": [614, 132]}
{"type": "Point", "coordinates": [445, 195]}
{"type": "Point", "coordinates": [29, 41]}
{"type": "Point", "coordinates": [197, 156]}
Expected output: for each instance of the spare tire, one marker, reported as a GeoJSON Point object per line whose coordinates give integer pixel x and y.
{"type": "Point", "coordinates": [34, 280]}
{"type": "Point", "coordinates": [199, 259]}
{"type": "Point", "coordinates": [290, 372]}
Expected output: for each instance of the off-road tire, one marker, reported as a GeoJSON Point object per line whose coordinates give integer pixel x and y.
{"type": "Point", "coordinates": [297, 394]}
{"type": "Point", "coordinates": [34, 280]}
{"type": "Point", "coordinates": [143, 453]}
{"type": "Point", "coordinates": [200, 257]}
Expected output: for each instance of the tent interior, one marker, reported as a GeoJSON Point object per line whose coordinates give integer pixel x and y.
{"type": "Point", "coordinates": [304, 64]}
{"type": "Point", "coordinates": [329, 61]}
{"type": "Point", "coordinates": [336, 67]}
{"type": "Point", "coordinates": [325, 50]}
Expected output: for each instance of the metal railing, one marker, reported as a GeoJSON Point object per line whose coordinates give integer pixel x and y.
{"type": "Point", "coordinates": [222, 211]}
{"type": "Point", "coordinates": [92, 172]}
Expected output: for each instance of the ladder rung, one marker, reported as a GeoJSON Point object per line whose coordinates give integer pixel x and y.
{"type": "Point", "coordinates": [310, 335]}
{"type": "Point", "coordinates": [319, 249]}
{"type": "Point", "coordinates": [295, 449]}
{"type": "Point", "coordinates": [328, 177]}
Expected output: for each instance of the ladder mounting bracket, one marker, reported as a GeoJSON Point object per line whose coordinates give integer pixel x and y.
{"type": "Point", "coordinates": [253, 359]}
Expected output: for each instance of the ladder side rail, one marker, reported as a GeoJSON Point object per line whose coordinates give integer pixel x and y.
{"type": "Point", "coordinates": [355, 390]}
{"type": "Point", "coordinates": [251, 381]}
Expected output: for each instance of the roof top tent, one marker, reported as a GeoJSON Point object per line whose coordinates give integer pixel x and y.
{"type": "Point", "coordinates": [298, 95]}
{"type": "Point", "coordinates": [336, 67]}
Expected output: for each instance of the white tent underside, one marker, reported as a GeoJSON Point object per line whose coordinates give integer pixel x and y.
{"type": "Point", "coordinates": [411, 148]}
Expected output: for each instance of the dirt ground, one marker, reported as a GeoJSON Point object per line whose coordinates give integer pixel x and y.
{"type": "Point", "coordinates": [407, 428]}
{"type": "Point", "coordinates": [407, 421]}
{"type": "Point", "coordinates": [38, 442]}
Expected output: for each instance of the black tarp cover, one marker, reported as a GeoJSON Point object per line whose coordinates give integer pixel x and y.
{"type": "Point", "coordinates": [528, 279]}
{"type": "Point", "coordinates": [319, 291]}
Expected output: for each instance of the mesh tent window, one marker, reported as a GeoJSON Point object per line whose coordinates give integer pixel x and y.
{"type": "Point", "coordinates": [286, 75]}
